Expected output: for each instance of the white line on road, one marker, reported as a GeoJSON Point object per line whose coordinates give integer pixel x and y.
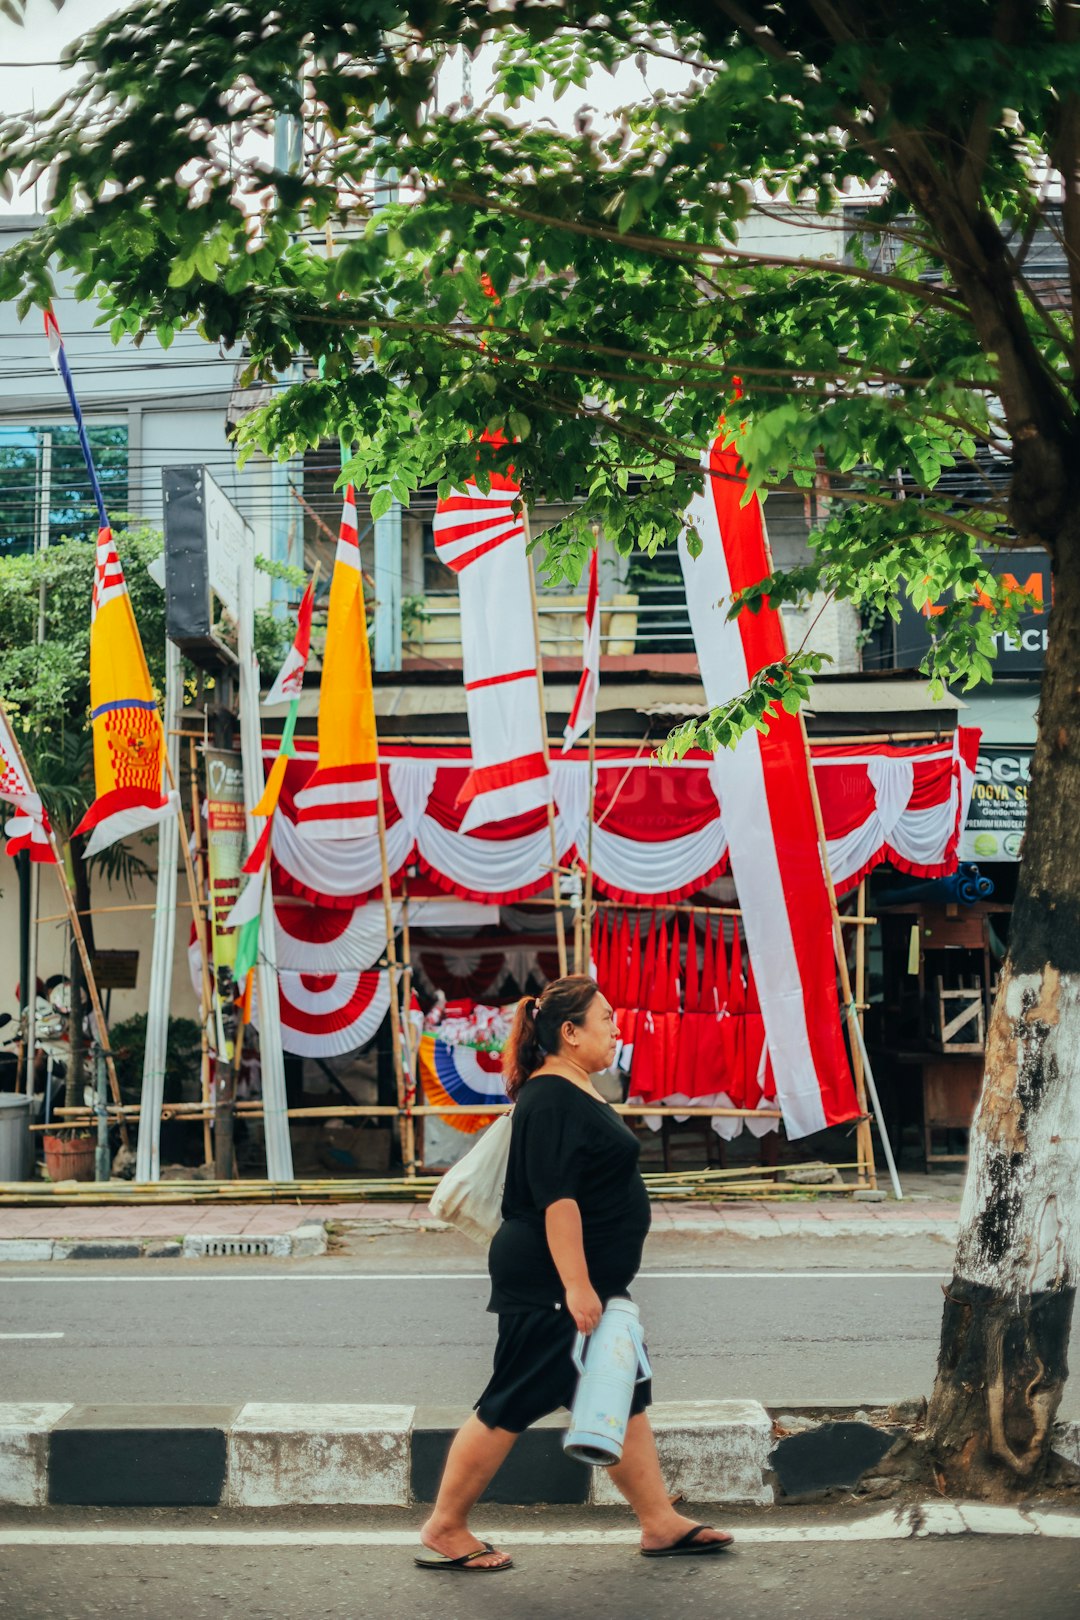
{"type": "Point", "coordinates": [919, 1521]}
{"type": "Point", "coordinates": [473, 1276]}
{"type": "Point", "coordinates": [31, 1335]}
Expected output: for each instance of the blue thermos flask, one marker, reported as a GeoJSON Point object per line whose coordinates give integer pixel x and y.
{"type": "Point", "coordinates": [616, 1361]}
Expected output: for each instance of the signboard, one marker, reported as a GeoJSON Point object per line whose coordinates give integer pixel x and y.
{"type": "Point", "coordinates": [225, 834]}
{"type": "Point", "coordinates": [207, 547]}
{"type": "Point", "coordinates": [1021, 653]}
{"type": "Point", "coordinates": [998, 811]}
{"type": "Point", "coordinates": [116, 970]}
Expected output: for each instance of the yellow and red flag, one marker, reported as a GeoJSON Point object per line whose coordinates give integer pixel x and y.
{"type": "Point", "coordinates": [340, 797]}
{"type": "Point", "coordinates": [128, 737]}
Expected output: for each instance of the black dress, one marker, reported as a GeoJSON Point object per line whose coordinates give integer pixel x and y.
{"type": "Point", "coordinates": [564, 1143]}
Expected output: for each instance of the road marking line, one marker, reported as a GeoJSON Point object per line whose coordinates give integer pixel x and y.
{"type": "Point", "coordinates": [475, 1276]}
{"type": "Point", "coordinates": [31, 1335]}
{"type": "Point", "coordinates": [916, 1522]}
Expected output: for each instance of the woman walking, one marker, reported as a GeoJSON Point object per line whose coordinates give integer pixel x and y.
{"type": "Point", "coordinates": [575, 1217]}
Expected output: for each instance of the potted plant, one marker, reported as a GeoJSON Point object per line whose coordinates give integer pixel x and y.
{"type": "Point", "coordinates": [69, 1153]}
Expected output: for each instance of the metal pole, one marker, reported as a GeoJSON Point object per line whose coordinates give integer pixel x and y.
{"type": "Point", "coordinates": [279, 1166]}
{"type": "Point", "coordinates": [102, 1159]}
{"type": "Point", "coordinates": [147, 1151]}
{"type": "Point", "coordinates": [34, 884]}
{"type": "Point", "coordinates": [31, 981]}
{"type": "Point", "coordinates": [589, 847]}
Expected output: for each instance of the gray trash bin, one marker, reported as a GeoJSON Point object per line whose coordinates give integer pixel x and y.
{"type": "Point", "coordinates": [15, 1141]}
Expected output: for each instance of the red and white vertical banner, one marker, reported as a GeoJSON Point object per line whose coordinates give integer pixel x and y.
{"type": "Point", "coordinates": [482, 539]}
{"type": "Point", "coordinates": [583, 713]}
{"type": "Point", "coordinates": [29, 827]}
{"type": "Point", "coordinates": [765, 800]}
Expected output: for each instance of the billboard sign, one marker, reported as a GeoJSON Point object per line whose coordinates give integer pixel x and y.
{"type": "Point", "coordinates": [1020, 653]}
{"type": "Point", "coordinates": [997, 814]}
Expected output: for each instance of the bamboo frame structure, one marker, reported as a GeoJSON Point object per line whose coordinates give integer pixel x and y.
{"type": "Point", "coordinates": [80, 945]}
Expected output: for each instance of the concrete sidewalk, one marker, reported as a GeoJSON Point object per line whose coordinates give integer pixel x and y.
{"type": "Point", "coordinates": [193, 1231]}
{"type": "Point", "coordinates": [152, 1231]}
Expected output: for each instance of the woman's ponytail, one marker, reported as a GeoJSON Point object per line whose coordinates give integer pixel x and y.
{"type": "Point", "coordinates": [538, 1021]}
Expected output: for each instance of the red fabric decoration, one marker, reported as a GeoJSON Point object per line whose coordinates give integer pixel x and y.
{"type": "Point", "coordinates": [648, 969]}
{"type": "Point", "coordinates": [691, 985]}
{"type": "Point", "coordinates": [632, 984]}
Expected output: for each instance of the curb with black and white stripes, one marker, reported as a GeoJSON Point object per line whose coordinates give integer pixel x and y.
{"type": "Point", "coordinates": [266, 1455]}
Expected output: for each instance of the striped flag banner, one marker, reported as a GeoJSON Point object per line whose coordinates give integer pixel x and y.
{"type": "Point", "coordinates": [290, 681]}
{"type": "Point", "coordinates": [340, 798]}
{"type": "Point", "coordinates": [129, 743]}
{"type": "Point", "coordinates": [583, 713]}
{"type": "Point", "coordinates": [765, 801]}
{"type": "Point", "coordinates": [28, 829]}
{"type": "Point", "coordinates": [482, 539]}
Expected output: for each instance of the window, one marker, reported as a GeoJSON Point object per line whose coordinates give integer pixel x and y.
{"type": "Point", "coordinates": [45, 463]}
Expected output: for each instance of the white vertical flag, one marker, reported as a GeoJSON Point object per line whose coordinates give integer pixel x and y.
{"type": "Point", "coordinates": [583, 713]}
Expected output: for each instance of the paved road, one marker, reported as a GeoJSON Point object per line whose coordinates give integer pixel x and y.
{"type": "Point", "coordinates": [973, 1578]}
{"type": "Point", "coordinates": [406, 1321]}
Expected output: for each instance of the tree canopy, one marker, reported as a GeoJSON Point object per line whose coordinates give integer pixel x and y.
{"type": "Point", "coordinates": [585, 293]}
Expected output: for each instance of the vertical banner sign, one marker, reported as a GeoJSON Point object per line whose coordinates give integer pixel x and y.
{"type": "Point", "coordinates": [225, 847]}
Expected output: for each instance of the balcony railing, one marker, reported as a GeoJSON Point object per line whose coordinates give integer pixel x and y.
{"type": "Point", "coordinates": [652, 619]}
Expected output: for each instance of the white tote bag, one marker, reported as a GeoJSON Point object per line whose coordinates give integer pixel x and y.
{"type": "Point", "coordinates": [469, 1196]}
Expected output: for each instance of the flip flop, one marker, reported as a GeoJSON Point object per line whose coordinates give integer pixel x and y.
{"type": "Point", "coordinates": [465, 1562]}
{"type": "Point", "coordinates": [689, 1546]}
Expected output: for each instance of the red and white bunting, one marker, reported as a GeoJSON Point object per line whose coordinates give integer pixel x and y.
{"type": "Point", "coordinates": [28, 828]}
{"type": "Point", "coordinates": [482, 539]}
{"type": "Point", "coordinates": [764, 789]}
{"type": "Point", "coordinates": [583, 713]}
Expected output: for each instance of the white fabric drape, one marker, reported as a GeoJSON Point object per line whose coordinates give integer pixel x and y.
{"type": "Point", "coordinates": [892, 780]}
{"type": "Point", "coordinates": [360, 943]}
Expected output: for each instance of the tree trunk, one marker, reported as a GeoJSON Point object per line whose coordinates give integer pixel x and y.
{"type": "Point", "coordinates": [1003, 1362]}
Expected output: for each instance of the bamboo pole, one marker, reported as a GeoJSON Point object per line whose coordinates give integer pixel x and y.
{"type": "Point", "coordinates": [80, 942]}
{"type": "Point", "coordinates": [589, 848]}
{"type": "Point", "coordinates": [556, 884]}
{"type": "Point", "coordinates": [867, 1171]}
{"type": "Point", "coordinates": [253, 1109]}
{"type": "Point", "coordinates": [408, 1135]}
{"type": "Point", "coordinates": [411, 1048]}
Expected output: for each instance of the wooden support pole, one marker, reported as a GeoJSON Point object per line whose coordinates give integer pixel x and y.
{"type": "Point", "coordinates": [556, 885]}
{"type": "Point", "coordinates": [867, 1173]}
{"type": "Point", "coordinates": [412, 1049]}
{"type": "Point", "coordinates": [408, 1134]}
